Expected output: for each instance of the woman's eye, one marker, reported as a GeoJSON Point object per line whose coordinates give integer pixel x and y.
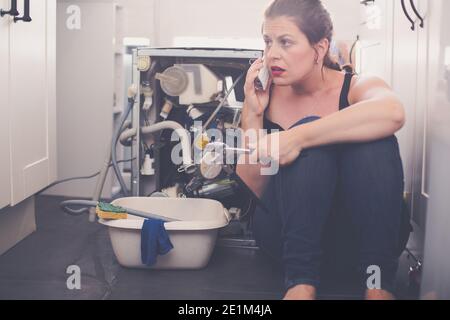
{"type": "Point", "coordinates": [285, 43]}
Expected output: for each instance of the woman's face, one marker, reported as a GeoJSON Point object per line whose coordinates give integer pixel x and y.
{"type": "Point", "coordinates": [288, 53]}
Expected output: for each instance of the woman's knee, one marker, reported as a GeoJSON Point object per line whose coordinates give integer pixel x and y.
{"type": "Point", "coordinates": [312, 164]}
{"type": "Point", "coordinates": [382, 152]}
{"type": "Point", "coordinates": [322, 158]}
{"type": "Point", "coordinates": [372, 165]}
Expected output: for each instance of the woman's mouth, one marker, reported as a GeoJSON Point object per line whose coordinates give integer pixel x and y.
{"type": "Point", "coordinates": [277, 71]}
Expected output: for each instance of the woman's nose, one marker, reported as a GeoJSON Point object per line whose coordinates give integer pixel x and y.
{"type": "Point", "coordinates": [272, 53]}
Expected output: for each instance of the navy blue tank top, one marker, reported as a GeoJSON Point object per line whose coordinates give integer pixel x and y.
{"type": "Point", "coordinates": [343, 103]}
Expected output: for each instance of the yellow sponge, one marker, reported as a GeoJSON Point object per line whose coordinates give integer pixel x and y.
{"type": "Point", "coordinates": [108, 211]}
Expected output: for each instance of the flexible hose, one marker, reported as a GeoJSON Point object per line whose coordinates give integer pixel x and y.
{"type": "Point", "coordinates": [115, 139]}
{"type": "Point", "coordinates": [87, 203]}
{"type": "Point", "coordinates": [103, 173]}
{"type": "Point", "coordinates": [100, 183]}
{"type": "Point", "coordinates": [111, 155]}
{"type": "Point", "coordinates": [182, 133]}
{"type": "Point", "coordinates": [126, 135]}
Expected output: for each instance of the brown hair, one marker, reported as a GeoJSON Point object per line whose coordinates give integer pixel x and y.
{"type": "Point", "coordinates": [311, 18]}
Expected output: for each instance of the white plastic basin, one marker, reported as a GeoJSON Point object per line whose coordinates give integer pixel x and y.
{"type": "Point", "coordinates": [193, 237]}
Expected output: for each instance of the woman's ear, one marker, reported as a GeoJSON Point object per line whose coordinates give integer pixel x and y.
{"type": "Point", "coordinates": [322, 48]}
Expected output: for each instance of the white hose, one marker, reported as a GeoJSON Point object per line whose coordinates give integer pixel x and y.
{"type": "Point", "coordinates": [182, 133]}
{"type": "Point", "coordinates": [127, 134]}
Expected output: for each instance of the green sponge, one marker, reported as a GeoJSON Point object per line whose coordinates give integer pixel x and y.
{"type": "Point", "coordinates": [110, 211]}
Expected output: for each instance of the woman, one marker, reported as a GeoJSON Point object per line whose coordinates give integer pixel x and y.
{"type": "Point", "coordinates": [335, 136]}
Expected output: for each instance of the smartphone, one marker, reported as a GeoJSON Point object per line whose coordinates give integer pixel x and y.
{"type": "Point", "coordinates": [262, 80]}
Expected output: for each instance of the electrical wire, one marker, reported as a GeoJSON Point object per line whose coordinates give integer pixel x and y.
{"type": "Point", "coordinates": [250, 202]}
{"type": "Point", "coordinates": [79, 178]}
{"type": "Point", "coordinates": [352, 49]}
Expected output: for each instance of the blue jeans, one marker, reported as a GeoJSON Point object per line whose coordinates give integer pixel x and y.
{"type": "Point", "coordinates": [364, 179]}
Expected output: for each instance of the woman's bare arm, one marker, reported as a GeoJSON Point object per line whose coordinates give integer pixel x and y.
{"type": "Point", "coordinates": [375, 113]}
{"type": "Point", "coordinates": [252, 119]}
{"type": "Point", "coordinates": [251, 173]}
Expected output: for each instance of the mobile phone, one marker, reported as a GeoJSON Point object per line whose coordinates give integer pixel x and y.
{"type": "Point", "coordinates": [262, 80]}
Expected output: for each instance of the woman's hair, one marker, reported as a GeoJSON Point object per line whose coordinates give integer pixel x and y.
{"type": "Point", "coordinates": [311, 18]}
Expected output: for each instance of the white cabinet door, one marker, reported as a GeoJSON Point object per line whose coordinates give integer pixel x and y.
{"type": "Point", "coordinates": [374, 54]}
{"type": "Point", "coordinates": [5, 187]}
{"type": "Point", "coordinates": [421, 172]}
{"type": "Point", "coordinates": [32, 107]}
{"type": "Point", "coordinates": [404, 74]}
{"type": "Point", "coordinates": [436, 274]}
{"type": "Point", "coordinates": [388, 49]}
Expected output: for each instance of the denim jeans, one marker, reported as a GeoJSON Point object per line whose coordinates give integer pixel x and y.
{"type": "Point", "coordinates": [364, 179]}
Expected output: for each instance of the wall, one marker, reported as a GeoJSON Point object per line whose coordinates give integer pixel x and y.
{"type": "Point", "coordinates": [163, 21]}
{"type": "Point", "coordinates": [346, 18]}
{"type": "Point", "coordinates": [138, 19]}
{"type": "Point", "coordinates": [85, 61]}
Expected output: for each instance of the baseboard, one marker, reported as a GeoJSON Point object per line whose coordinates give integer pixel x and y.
{"type": "Point", "coordinates": [16, 223]}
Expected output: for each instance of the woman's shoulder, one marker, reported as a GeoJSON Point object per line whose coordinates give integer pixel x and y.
{"type": "Point", "coordinates": [362, 84]}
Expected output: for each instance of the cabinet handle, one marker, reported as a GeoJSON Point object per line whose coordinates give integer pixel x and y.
{"type": "Point", "coordinates": [12, 12]}
{"type": "Point", "coordinates": [417, 13]}
{"type": "Point", "coordinates": [26, 12]}
{"type": "Point", "coordinates": [408, 16]}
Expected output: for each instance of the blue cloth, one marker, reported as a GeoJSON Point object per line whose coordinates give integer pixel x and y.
{"type": "Point", "coordinates": [154, 240]}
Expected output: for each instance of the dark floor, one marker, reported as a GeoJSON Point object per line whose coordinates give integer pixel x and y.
{"type": "Point", "coordinates": [36, 268]}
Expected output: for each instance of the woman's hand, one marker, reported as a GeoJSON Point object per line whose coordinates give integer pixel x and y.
{"type": "Point", "coordinates": [284, 147]}
{"type": "Point", "coordinates": [255, 101]}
